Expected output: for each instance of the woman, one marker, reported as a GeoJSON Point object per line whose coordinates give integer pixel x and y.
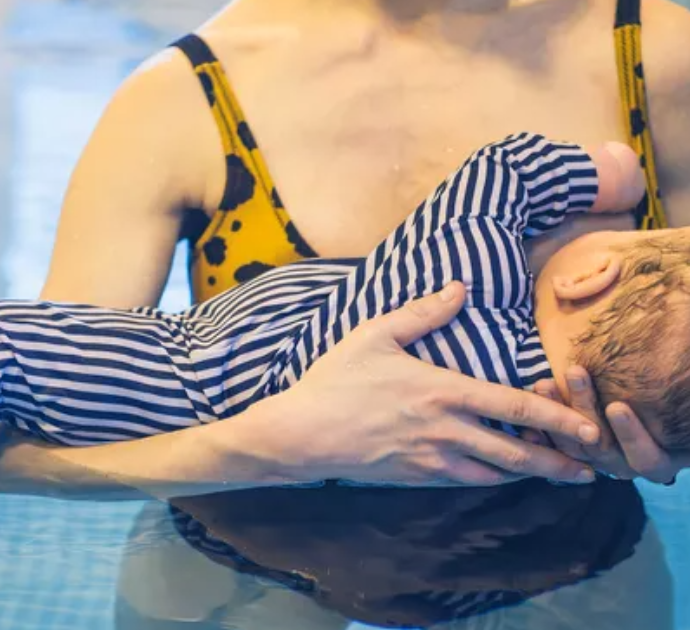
{"type": "Point", "coordinates": [356, 109]}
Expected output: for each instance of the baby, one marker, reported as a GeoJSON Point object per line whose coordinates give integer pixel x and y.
{"type": "Point", "coordinates": [617, 303]}
{"type": "Point", "coordinates": [81, 375]}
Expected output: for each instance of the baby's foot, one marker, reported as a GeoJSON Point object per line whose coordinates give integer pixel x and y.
{"type": "Point", "coordinates": [621, 179]}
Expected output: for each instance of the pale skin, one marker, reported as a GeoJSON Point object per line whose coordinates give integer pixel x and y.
{"type": "Point", "coordinates": [390, 95]}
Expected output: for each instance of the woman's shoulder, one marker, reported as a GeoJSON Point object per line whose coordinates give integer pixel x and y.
{"type": "Point", "coordinates": [161, 110]}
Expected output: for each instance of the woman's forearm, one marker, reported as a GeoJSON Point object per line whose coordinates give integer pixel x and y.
{"type": "Point", "coordinates": [30, 467]}
{"type": "Point", "coordinates": [202, 460]}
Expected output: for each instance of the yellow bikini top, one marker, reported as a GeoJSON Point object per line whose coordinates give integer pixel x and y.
{"type": "Point", "coordinates": [252, 232]}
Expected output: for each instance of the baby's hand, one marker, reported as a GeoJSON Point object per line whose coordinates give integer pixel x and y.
{"type": "Point", "coordinates": [621, 179]}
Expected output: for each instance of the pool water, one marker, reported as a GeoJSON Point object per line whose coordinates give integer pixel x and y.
{"type": "Point", "coordinates": [297, 560]}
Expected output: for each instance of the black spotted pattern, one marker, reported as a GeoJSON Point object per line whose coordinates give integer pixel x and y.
{"type": "Point", "coordinates": [295, 238]}
{"type": "Point", "coordinates": [240, 183]}
{"type": "Point", "coordinates": [246, 135]}
{"type": "Point", "coordinates": [277, 201]}
{"type": "Point", "coordinates": [637, 121]}
{"type": "Point", "coordinates": [643, 161]}
{"type": "Point", "coordinates": [194, 223]}
{"type": "Point", "coordinates": [243, 182]}
{"type": "Point", "coordinates": [251, 271]}
{"type": "Point", "coordinates": [641, 210]}
{"type": "Point", "coordinates": [639, 71]}
{"type": "Point", "coordinates": [215, 251]}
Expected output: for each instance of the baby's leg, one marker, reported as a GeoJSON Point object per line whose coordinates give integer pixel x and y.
{"type": "Point", "coordinates": [80, 375]}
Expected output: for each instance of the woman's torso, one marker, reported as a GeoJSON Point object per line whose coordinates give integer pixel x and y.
{"type": "Point", "coordinates": [359, 117]}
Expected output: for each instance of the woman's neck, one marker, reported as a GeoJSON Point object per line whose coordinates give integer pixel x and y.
{"type": "Point", "coordinates": [411, 10]}
{"type": "Point", "coordinates": [402, 12]}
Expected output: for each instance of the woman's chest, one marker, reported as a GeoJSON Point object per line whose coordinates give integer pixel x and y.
{"type": "Point", "coordinates": [352, 161]}
{"type": "Point", "coordinates": [356, 134]}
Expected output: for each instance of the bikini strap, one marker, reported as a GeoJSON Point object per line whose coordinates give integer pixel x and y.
{"type": "Point", "coordinates": [246, 169]}
{"type": "Point", "coordinates": [243, 167]}
{"type": "Point", "coordinates": [199, 55]}
{"type": "Point", "coordinates": [628, 13]}
{"type": "Point", "coordinates": [650, 213]}
{"type": "Point", "coordinates": [195, 49]}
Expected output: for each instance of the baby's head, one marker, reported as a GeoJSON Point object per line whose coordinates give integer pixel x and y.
{"type": "Point", "coordinates": [618, 304]}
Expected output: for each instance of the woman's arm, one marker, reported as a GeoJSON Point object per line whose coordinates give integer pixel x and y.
{"type": "Point", "coordinates": [154, 152]}
{"type": "Point", "coordinates": [410, 424]}
{"type": "Point", "coordinates": [198, 461]}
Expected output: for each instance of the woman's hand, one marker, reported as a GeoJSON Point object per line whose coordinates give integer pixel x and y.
{"type": "Point", "coordinates": [605, 456]}
{"type": "Point", "coordinates": [626, 448]}
{"type": "Point", "coordinates": [370, 413]}
{"type": "Point", "coordinates": [644, 456]}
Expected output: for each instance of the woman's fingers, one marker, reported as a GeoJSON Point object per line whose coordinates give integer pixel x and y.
{"type": "Point", "coordinates": [604, 456]}
{"type": "Point", "coordinates": [535, 437]}
{"type": "Point", "coordinates": [515, 455]}
{"type": "Point", "coordinates": [583, 399]}
{"type": "Point", "coordinates": [456, 468]}
{"type": "Point", "coordinates": [644, 455]}
{"type": "Point", "coordinates": [517, 407]}
{"type": "Point", "coordinates": [548, 389]}
{"type": "Point", "coordinates": [420, 317]}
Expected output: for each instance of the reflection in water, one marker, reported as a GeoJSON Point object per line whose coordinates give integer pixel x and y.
{"type": "Point", "coordinates": [404, 558]}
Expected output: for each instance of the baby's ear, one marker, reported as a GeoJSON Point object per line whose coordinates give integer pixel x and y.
{"type": "Point", "coordinates": [599, 274]}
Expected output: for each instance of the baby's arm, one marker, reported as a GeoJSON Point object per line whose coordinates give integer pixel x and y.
{"type": "Point", "coordinates": [530, 184]}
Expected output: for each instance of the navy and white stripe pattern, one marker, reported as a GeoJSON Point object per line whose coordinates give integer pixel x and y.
{"type": "Point", "coordinates": [82, 375]}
